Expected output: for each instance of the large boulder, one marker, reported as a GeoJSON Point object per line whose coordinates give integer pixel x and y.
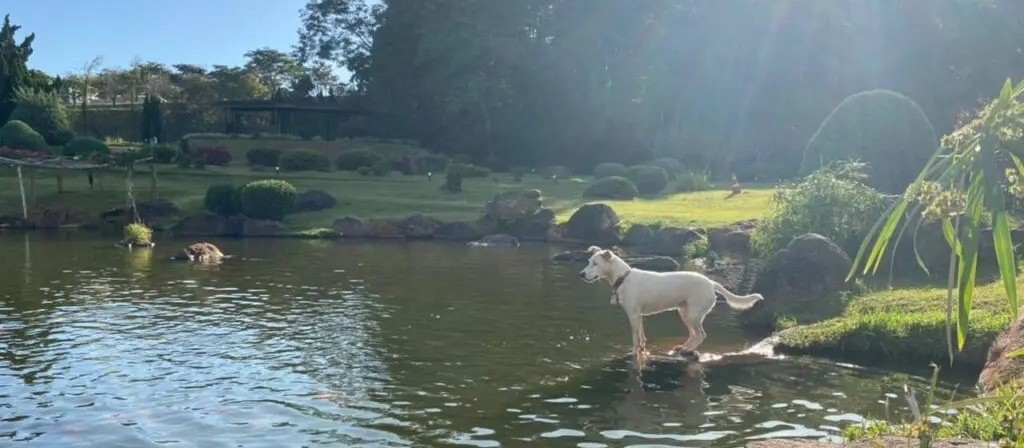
{"type": "Point", "coordinates": [732, 240]}
{"type": "Point", "coordinates": [383, 229]}
{"type": "Point", "coordinates": [51, 218]}
{"type": "Point", "coordinates": [350, 227]}
{"type": "Point", "coordinates": [459, 231]}
{"type": "Point", "coordinates": [313, 200]}
{"type": "Point", "coordinates": [418, 226]}
{"type": "Point", "coordinates": [158, 215]}
{"type": "Point", "coordinates": [247, 227]}
{"type": "Point", "coordinates": [638, 235]}
{"type": "Point", "coordinates": [513, 205]}
{"type": "Point", "coordinates": [205, 224]}
{"type": "Point", "coordinates": [1000, 368]}
{"type": "Point", "coordinates": [594, 224]}
{"type": "Point", "coordinates": [671, 240]}
{"type": "Point", "coordinates": [802, 281]}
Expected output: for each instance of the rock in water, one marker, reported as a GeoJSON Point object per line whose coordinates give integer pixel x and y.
{"type": "Point", "coordinates": [496, 241]}
{"type": "Point", "coordinates": [594, 224]}
{"type": "Point", "coordinates": [203, 252]}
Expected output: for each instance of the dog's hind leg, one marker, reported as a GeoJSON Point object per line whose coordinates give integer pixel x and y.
{"type": "Point", "coordinates": [689, 329]}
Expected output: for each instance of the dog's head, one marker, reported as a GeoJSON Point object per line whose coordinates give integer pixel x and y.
{"type": "Point", "coordinates": [598, 266]}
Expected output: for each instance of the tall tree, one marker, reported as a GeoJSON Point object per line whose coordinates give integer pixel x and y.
{"type": "Point", "coordinates": [13, 66]}
{"type": "Point", "coordinates": [274, 68]}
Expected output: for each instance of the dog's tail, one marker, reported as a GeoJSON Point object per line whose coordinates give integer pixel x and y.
{"type": "Point", "coordinates": [736, 302]}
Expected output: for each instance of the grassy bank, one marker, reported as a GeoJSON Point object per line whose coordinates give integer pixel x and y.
{"type": "Point", "coordinates": [905, 325]}
{"type": "Point", "coordinates": [372, 197]}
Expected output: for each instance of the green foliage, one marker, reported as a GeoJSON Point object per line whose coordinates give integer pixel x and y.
{"type": "Point", "coordinates": [303, 160]}
{"type": "Point", "coordinates": [609, 169]}
{"type": "Point", "coordinates": [212, 155]}
{"type": "Point", "coordinates": [268, 199]}
{"type": "Point", "coordinates": [995, 418]}
{"type": "Point", "coordinates": [432, 163]}
{"type": "Point", "coordinates": [613, 187]}
{"type": "Point", "coordinates": [152, 119]}
{"type": "Point", "coordinates": [14, 73]}
{"type": "Point", "coordinates": [971, 184]}
{"type": "Point", "coordinates": [693, 181]}
{"type": "Point", "coordinates": [45, 113]}
{"type": "Point", "coordinates": [164, 153]}
{"type": "Point", "coordinates": [263, 156]}
{"type": "Point", "coordinates": [380, 169]}
{"type": "Point", "coordinates": [696, 249]}
{"type": "Point", "coordinates": [884, 129]}
{"type": "Point", "coordinates": [669, 164]}
{"type": "Point", "coordinates": [85, 147]}
{"type": "Point", "coordinates": [649, 180]}
{"type": "Point", "coordinates": [18, 135]}
{"type": "Point", "coordinates": [469, 171]}
{"type": "Point", "coordinates": [832, 202]}
{"type": "Point", "coordinates": [223, 200]}
{"type": "Point", "coordinates": [354, 159]}
{"type": "Point", "coordinates": [452, 180]}
{"type": "Point", "coordinates": [137, 233]}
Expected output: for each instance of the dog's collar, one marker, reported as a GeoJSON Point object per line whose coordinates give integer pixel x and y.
{"type": "Point", "coordinates": [620, 280]}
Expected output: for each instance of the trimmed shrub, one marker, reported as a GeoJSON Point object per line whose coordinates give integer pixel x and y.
{"type": "Point", "coordinates": [691, 181]}
{"type": "Point", "coordinates": [432, 163]}
{"type": "Point", "coordinates": [603, 170]}
{"type": "Point", "coordinates": [649, 180]}
{"type": "Point", "coordinates": [18, 135]}
{"type": "Point", "coordinates": [304, 160]}
{"type": "Point", "coordinates": [210, 155]}
{"type": "Point", "coordinates": [670, 165]}
{"type": "Point", "coordinates": [85, 147]}
{"type": "Point", "coordinates": [469, 171]}
{"type": "Point", "coordinates": [380, 169]}
{"type": "Point", "coordinates": [268, 199]}
{"type": "Point", "coordinates": [223, 200]}
{"type": "Point", "coordinates": [882, 128]}
{"type": "Point", "coordinates": [263, 156]}
{"type": "Point", "coordinates": [354, 159]}
{"type": "Point", "coordinates": [164, 153]}
{"type": "Point", "coordinates": [452, 180]}
{"type": "Point", "coordinates": [833, 202]}
{"type": "Point", "coordinates": [613, 187]}
{"type": "Point", "coordinates": [45, 113]}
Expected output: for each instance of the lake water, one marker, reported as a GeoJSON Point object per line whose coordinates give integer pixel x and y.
{"type": "Point", "coordinates": [325, 343]}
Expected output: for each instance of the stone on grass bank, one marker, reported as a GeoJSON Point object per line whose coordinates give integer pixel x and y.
{"type": "Point", "coordinates": [802, 282]}
{"type": "Point", "coordinates": [210, 224]}
{"type": "Point", "coordinates": [1000, 368]}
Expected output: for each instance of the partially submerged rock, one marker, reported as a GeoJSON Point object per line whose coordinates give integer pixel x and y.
{"type": "Point", "coordinates": [499, 240]}
{"type": "Point", "coordinates": [203, 252]}
{"type": "Point", "coordinates": [459, 231]}
{"type": "Point", "coordinates": [350, 227]}
{"type": "Point", "coordinates": [1000, 368]}
{"type": "Point", "coordinates": [313, 200]}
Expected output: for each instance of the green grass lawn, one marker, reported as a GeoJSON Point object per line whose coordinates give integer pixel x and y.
{"type": "Point", "coordinates": [373, 197]}
{"type": "Point", "coordinates": [904, 325]}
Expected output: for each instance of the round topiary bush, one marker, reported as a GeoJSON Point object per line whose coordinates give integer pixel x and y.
{"type": "Point", "coordinates": [649, 180]}
{"type": "Point", "coordinates": [223, 200]}
{"type": "Point", "coordinates": [84, 147]}
{"type": "Point", "coordinates": [304, 160]}
{"type": "Point", "coordinates": [263, 156]}
{"type": "Point", "coordinates": [603, 170]}
{"type": "Point", "coordinates": [354, 159]}
{"type": "Point", "coordinates": [18, 135]}
{"type": "Point", "coordinates": [882, 128]}
{"type": "Point", "coordinates": [612, 187]}
{"type": "Point", "coordinates": [164, 153]}
{"type": "Point", "coordinates": [469, 171]}
{"type": "Point", "coordinates": [268, 199]}
{"type": "Point", "coordinates": [670, 165]}
{"type": "Point", "coordinates": [431, 163]}
{"type": "Point", "coordinates": [380, 169]}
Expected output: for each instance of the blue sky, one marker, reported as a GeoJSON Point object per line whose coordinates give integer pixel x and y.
{"type": "Point", "coordinates": [203, 32]}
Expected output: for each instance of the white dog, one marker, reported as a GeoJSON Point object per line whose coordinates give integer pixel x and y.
{"type": "Point", "coordinates": [642, 293]}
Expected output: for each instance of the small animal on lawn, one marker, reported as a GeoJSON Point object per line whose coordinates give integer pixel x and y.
{"type": "Point", "coordinates": [642, 293]}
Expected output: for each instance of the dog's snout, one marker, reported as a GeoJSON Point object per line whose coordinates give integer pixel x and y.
{"type": "Point", "coordinates": [582, 274]}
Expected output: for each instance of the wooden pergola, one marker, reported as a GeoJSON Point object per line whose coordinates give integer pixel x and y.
{"type": "Point", "coordinates": [55, 163]}
{"type": "Point", "coordinates": [331, 112]}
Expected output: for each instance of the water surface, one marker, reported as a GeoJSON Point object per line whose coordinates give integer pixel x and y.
{"type": "Point", "coordinates": [322, 343]}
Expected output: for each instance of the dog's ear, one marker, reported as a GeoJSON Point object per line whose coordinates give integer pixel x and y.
{"type": "Point", "coordinates": [592, 250]}
{"type": "Point", "coordinates": [606, 254]}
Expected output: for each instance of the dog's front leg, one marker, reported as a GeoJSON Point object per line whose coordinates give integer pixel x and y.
{"type": "Point", "coordinates": [636, 324]}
